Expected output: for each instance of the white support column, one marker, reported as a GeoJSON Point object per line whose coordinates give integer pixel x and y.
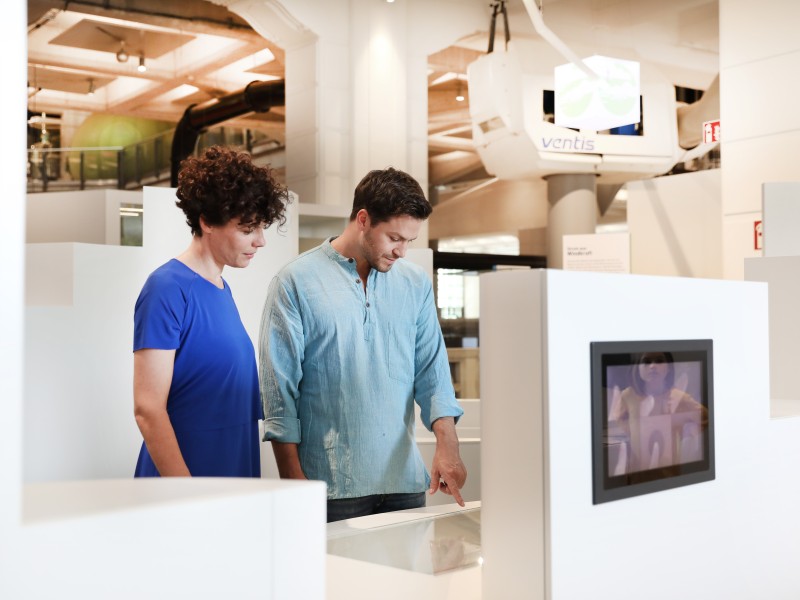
{"type": "Point", "coordinates": [572, 209]}
{"type": "Point", "coordinates": [12, 29]}
{"type": "Point", "coordinates": [314, 36]}
{"type": "Point", "coordinates": [356, 85]}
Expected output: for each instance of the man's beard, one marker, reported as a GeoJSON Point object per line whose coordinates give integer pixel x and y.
{"type": "Point", "coordinates": [374, 259]}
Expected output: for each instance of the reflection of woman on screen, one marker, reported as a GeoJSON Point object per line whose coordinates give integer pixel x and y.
{"type": "Point", "coordinates": [662, 421]}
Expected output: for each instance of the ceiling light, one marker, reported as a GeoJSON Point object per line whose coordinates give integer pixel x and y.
{"type": "Point", "coordinates": [91, 87]}
{"type": "Point", "coordinates": [459, 93]}
{"type": "Point", "coordinates": [142, 67]}
{"type": "Point", "coordinates": [122, 55]}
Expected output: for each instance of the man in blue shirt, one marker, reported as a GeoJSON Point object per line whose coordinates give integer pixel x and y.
{"type": "Point", "coordinates": [349, 341]}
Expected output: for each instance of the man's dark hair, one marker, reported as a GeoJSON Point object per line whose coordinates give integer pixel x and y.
{"type": "Point", "coordinates": [390, 193]}
{"type": "Point", "coordinates": [224, 184]}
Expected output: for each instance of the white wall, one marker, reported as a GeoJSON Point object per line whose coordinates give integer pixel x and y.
{"type": "Point", "coordinates": [782, 274]}
{"type": "Point", "coordinates": [675, 225]}
{"type": "Point", "coordinates": [204, 538]}
{"type": "Point", "coordinates": [781, 211]}
{"type": "Point", "coordinates": [736, 537]}
{"type": "Point", "coordinates": [90, 216]}
{"type": "Point", "coordinates": [759, 50]}
{"type": "Point", "coordinates": [79, 365]}
{"type": "Point", "coordinates": [780, 269]}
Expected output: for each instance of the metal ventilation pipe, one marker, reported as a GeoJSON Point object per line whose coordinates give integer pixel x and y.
{"type": "Point", "coordinates": [257, 96]}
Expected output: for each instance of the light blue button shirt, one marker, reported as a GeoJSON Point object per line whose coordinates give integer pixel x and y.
{"type": "Point", "coordinates": [341, 369]}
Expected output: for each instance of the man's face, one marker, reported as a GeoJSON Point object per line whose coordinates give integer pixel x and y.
{"type": "Point", "coordinates": [384, 243]}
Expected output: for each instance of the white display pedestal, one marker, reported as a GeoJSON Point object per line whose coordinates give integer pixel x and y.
{"type": "Point", "coordinates": [168, 538]}
{"type": "Point", "coordinates": [542, 537]}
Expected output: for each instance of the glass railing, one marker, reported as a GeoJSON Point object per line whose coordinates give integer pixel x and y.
{"type": "Point", "coordinates": [51, 169]}
{"type": "Point", "coordinates": [128, 167]}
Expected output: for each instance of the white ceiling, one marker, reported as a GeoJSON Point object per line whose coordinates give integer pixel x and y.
{"type": "Point", "coordinates": [195, 51]}
{"type": "Point", "coordinates": [189, 59]}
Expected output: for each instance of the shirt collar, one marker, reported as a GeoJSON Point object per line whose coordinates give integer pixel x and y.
{"type": "Point", "coordinates": [334, 255]}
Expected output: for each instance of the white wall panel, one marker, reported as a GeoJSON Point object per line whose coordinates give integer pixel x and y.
{"type": "Point", "coordinates": [675, 224]}
{"type": "Point", "coordinates": [738, 243]}
{"type": "Point", "coordinates": [781, 211]}
{"type": "Point", "coordinates": [783, 276]}
{"type": "Point", "coordinates": [774, 104]}
{"type": "Point", "coordinates": [747, 165]}
{"type": "Point", "coordinates": [759, 53]}
{"type": "Point", "coordinates": [79, 364]}
{"type": "Point", "coordinates": [89, 216]}
{"type": "Point", "coordinates": [751, 32]}
{"type": "Point", "coordinates": [514, 470]}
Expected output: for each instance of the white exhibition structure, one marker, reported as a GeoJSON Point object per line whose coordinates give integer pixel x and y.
{"type": "Point", "coordinates": [83, 515]}
{"type": "Point", "coordinates": [736, 537]}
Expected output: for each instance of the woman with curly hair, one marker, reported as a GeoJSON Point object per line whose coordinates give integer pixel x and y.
{"type": "Point", "coordinates": [195, 383]}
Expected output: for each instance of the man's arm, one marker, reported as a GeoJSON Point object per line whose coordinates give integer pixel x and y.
{"type": "Point", "coordinates": [447, 472]}
{"type": "Point", "coordinates": [288, 460]}
{"type": "Point", "coordinates": [439, 409]}
{"type": "Point", "coordinates": [280, 355]}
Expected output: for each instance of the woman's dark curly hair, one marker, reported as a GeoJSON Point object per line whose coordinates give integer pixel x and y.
{"type": "Point", "coordinates": [224, 184]}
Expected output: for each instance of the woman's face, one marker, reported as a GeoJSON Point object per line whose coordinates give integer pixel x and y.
{"type": "Point", "coordinates": [234, 244]}
{"type": "Point", "coordinates": [653, 368]}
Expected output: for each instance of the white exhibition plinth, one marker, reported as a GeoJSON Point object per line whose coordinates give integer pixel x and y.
{"type": "Point", "coordinates": [736, 537]}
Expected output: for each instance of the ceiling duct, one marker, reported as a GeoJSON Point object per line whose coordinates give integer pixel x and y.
{"type": "Point", "coordinates": [257, 96]}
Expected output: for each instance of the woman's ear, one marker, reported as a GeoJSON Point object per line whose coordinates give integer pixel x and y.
{"type": "Point", "coordinates": [205, 227]}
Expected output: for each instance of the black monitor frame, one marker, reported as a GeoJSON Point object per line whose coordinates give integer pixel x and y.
{"type": "Point", "coordinates": [608, 486]}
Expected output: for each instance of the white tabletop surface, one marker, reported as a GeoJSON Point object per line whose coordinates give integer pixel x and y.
{"type": "Point", "coordinates": [432, 552]}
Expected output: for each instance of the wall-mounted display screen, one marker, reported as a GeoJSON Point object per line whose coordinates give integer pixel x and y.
{"type": "Point", "coordinates": [652, 416]}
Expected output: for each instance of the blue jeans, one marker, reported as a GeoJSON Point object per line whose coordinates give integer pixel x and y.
{"type": "Point", "coordinates": [349, 508]}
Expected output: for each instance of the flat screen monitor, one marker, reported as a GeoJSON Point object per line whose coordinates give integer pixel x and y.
{"type": "Point", "coordinates": [652, 416]}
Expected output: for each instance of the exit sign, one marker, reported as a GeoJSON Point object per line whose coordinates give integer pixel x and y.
{"type": "Point", "coordinates": [710, 132]}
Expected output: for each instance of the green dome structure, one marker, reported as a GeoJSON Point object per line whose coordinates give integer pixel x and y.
{"type": "Point", "coordinates": [105, 130]}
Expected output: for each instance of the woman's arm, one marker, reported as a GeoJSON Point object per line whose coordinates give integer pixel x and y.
{"type": "Point", "coordinates": [152, 377]}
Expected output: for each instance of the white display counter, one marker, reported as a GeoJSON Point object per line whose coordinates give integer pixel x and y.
{"type": "Point", "coordinates": [431, 552]}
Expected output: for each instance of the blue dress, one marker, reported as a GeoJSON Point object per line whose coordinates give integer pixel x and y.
{"type": "Point", "coordinates": [213, 401]}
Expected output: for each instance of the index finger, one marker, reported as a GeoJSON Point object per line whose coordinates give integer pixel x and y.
{"type": "Point", "coordinates": [456, 493]}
